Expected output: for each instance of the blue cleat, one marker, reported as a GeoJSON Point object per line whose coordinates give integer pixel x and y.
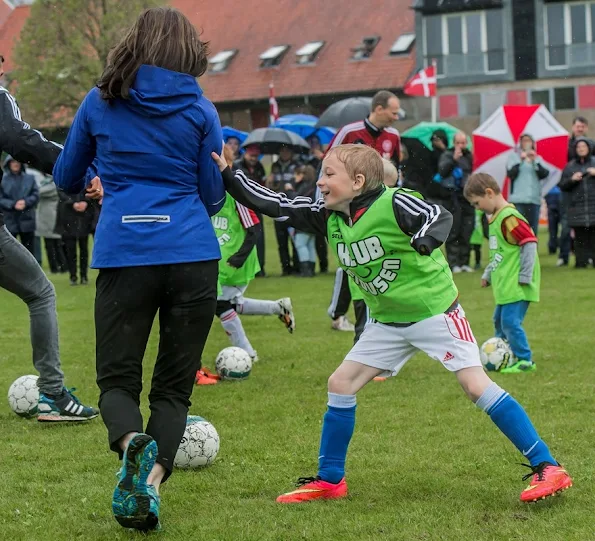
{"type": "Point", "coordinates": [135, 504]}
{"type": "Point", "coordinates": [65, 408]}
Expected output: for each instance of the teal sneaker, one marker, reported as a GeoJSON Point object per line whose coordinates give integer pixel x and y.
{"type": "Point", "coordinates": [65, 408]}
{"type": "Point", "coordinates": [135, 504]}
{"type": "Point", "coordinates": [519, 367]}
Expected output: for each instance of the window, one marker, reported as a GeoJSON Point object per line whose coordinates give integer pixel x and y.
{"type": "Point", "coordinates": [465, 43]}
{"type": "Point", "coordinates": [221, 60]}
{"type": "Point", "coordinates": [365, 48]}
{"type": "Point", "coordinates": [556, 99]}
{"type": "Point", "coordinates": [402, 45]}
{"type": "Point", "coordinates": [272, 57]}
{"type": "Point", "coordinates": [469, 104]}
{"type": "Point", "coordinates": [308, 53]}
{"type": "Point", "coordinates": [570, 34]}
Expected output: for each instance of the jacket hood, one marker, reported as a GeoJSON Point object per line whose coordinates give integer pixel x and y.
{"type": "Point", "coordinates": [160, 92]}
{"type": "Point", "coordinates": [6, 165]}
{"type": "Point", "coordinates": [585, 140]}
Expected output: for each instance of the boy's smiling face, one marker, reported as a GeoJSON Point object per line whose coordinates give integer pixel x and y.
{"type": "Point", "coordinates": [337, 187]}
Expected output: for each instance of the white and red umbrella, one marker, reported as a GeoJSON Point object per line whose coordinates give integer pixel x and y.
{"type": "Point", "coordinates": [499, 135]}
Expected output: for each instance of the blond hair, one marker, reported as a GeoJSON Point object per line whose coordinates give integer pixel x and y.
{"type": "Point", "coordinates": [391, 174]}
{"type": "Point", "coordinates": [361, 160]}
{"type": "Point", "coordinates": [478, 183]}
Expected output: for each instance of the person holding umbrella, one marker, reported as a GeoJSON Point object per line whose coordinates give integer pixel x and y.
{"type": "Point", "coordinates": [375, 131]}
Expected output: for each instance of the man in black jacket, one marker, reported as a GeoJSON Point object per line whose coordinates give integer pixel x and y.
{"type": "Point", "coordinates": [20, 274]}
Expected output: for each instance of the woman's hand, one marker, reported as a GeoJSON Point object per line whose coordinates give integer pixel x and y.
{"type": "Point", "coordinates": [577, 177]}
{"type": "Point", "coordinates": [219, 161]}
{"type": "Point", "coordinates": [95, 189]}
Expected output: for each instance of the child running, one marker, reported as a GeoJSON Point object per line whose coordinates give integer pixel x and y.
{"type": "Point", "coordinates": [387, 240]}
{"type": "Point", "coordinates": [237, 229]}
{"type": "Point", "coordinates": [513, 272]}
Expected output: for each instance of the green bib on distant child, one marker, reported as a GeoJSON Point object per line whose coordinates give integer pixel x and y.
{"type": "Point", "coordinates": [505, 262]}
{"type": "Point", "coordinates": [231, 234]}
{"type": "Point", "coordinates": [398, 284]}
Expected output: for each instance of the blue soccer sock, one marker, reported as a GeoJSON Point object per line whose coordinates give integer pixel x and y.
{"type": "Point", "coordinates": [510, 417]}
{"type": "Point", "coordinates": [337, 429]}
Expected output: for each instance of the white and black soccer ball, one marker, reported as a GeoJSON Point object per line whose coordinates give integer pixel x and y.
{"type": "Point", "coordinates": [233, 363]}
{"type": "Point", "coordinates": [199, 446]}
{"type": "Point", "coordinates": [23, 396]}
{"type": "Point", "coordinates": [495, 354]}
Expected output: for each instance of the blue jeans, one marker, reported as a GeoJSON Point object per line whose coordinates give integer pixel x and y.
{"type": "Point", "coordinates": [553, 220]}
{"type": "Point", "coordinates": [565, 240]}
{"type": "Point", "coordinates": [508, 321]}
{"type": "Point", "coordinates": [305, 244]}
{"type": "Point", "coordinates": [531, 213]}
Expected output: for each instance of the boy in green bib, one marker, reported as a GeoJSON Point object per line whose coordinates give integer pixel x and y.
{"type": "Point", "coordinates": [513, 272]}
{"type": "Point", "coordinates": [387, 240]}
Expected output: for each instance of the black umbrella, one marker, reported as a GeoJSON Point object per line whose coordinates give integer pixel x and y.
{"type": "Point", "coordinates": [270, 140]}
{"type": "Point", "coordinates": [345, 112]}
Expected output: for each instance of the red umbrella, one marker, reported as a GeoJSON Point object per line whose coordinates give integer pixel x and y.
{"type": "Point", "coordinates": [499, 135]}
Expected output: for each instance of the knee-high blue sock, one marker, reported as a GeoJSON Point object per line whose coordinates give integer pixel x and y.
{"type": "Point", "coordinates": [510, 417]}
{"type": "Point", "coordinates": [337, 429]}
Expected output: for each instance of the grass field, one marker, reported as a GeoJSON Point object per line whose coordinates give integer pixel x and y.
{"type": "Point", "coordinates": [424, 463]}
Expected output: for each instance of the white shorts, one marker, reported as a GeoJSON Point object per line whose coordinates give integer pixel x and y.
{"type": "Point", "coordinates": [233, 294]}
{"type": "Point", "coordinates": [447, 338]}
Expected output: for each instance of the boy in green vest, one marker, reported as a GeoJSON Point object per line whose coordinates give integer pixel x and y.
{"type": "Point", "coordinates": [387, 240]}
{"type": "Point", "coordinates": [513, 272]}
{"type": "Point", "coordinates": [237, 229]}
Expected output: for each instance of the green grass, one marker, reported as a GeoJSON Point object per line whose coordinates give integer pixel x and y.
{"type": "Point", "coordinates": [424, 463]}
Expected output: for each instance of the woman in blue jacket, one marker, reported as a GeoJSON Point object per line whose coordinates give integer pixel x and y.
{"type": "Point", "coordinates": [150, 133]}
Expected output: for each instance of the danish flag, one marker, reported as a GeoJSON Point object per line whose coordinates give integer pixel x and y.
{"type": "Point", "coordinates": [423, 83]}
{"type": "Point", "coordinates": [273, 106]}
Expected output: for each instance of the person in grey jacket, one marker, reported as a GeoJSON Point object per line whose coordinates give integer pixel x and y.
{"type": "Point", "coordinates": [47, 214]}
{"type": "Point", "coordinates": [578, 182]}
{"type": "Point", "coordinates": [526, 171]}
{"type": "Point", "coordinates": [18, 199]}
{"type": "Point", "coordinates": [454, 167]}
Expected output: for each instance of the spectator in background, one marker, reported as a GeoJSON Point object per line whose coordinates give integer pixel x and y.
{"type": "Point", "coordinates": [315, 160]}
{"type": "Point", "coordinates": [75, 218]}
{"type": "Point", "coordinates": [553, 202]}
{"type": "Point", "coordinates": [580, 129]}
{"type": "Point", "coordinates": [283, 173]}
{"type": "Point", "coordinates": [19, 196]}
{"type": "Point", "coordinates": [233, 143]}
{"type": "Point", "coordinates": [305, 243]}
{"type": "Point", "coordinates": [578, 183]}
{"type": "Point", "coordinates": [249, 164]}
{"type": "Point", "coordinates": [47, 219]}
{"type": "Point", "coordinates": [526, 171]}
{"type": "Point", "coordinates": [454, 167]}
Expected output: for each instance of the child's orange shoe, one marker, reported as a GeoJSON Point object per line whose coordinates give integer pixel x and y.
{"type": "Point", "coordinates": [209, 374]}
{"type": "Point", "coordinates": [547, 480]}
{"type": "Point", "coordinates": [203, 379]}
{"type": "Point", "coordinates": [314, 488]}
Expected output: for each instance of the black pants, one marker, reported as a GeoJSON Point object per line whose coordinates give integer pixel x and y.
{"type": "Point", "coordinates": [83, 245]}
{"type": "Point", "coordinates": [458, 245]}
{"type": "Point", "coordinates": [322, 252]}
{"type": "Point", "coordinates": [284, 242]}
{"type": "Point", "coordinates": [477, 251]}
{"type": "Point", "coordinates": [260, 247]}
{"type": "Point", "coordinates": [27, 240]}
{"type": "Point", "coordinates": [55, 254]}
{"type": "Point", "coordinates": [361, 318]}
{"type": "Point", "coordinates": [584, 245]}
{"type": "Point", "coordinates": [127, 300]}
{"type": "Point", "coordinates": [341, 295]}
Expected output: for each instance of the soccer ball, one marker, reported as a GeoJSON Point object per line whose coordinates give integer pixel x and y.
{"type": "Point", "coordinates": [233, 364]}
{"type": "Point", "coordinates": [199, 446]}
{"type": "Point", "coordinates": [23, 396]}
{"type": "Point", "coordinates": [495, 354]}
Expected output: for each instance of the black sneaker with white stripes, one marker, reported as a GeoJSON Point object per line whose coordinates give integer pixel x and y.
{"type": "Point", "coordinates": [64, 408]}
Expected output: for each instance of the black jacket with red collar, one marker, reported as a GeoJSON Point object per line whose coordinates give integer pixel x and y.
{"type": "Point", "coordinates": [428, 225]}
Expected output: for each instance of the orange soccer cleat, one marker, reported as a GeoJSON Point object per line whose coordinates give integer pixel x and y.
{"type": "Point", "coordinates": [209, 374]}
{"type": "Point", "coordinates": [203, 379]}
{"type": "Point", "coordinates": [547, 480]}
{"type": "Point", "coordinates": [314, 488]}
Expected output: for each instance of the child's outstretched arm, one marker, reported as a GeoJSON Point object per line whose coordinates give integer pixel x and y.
{"type": "Point", "coordinates": [302, 213]}
{"type": "Point", "coordinates": [427, 224]}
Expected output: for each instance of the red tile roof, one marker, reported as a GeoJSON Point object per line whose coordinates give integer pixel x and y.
{"type": "Point", "coordinates": [5, 9]}
{"type": "Point", "coordinates": [252, 26]}
{"type": "Point", "coordinates": [10, 31]}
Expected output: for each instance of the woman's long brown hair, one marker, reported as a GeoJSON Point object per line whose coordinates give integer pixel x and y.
{"type": "Point", "coordinates": [161, 37]}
